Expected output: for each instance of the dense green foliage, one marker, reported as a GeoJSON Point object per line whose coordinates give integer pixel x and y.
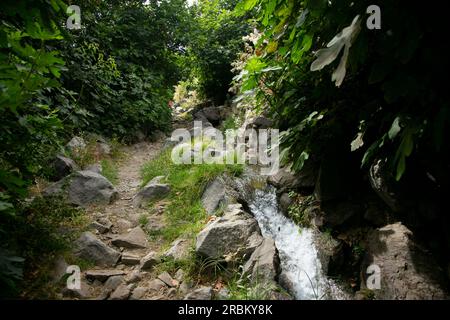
{"type": "Point", "coordinates": [215, 41]}
{"type": "Point", "coordinates": [332, 85]}
{"type": "Point", "coordinates": [123, 64]}
{"type": "Point", "coordinates": [393, 101]}
{"type": "Point", "coordinates": [114, 77]}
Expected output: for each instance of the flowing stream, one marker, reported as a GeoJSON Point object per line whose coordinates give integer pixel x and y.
{"type": "Point", "coordinates": [301, 268]}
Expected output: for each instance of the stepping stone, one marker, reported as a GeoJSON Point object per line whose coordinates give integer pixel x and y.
{"type": "Point", "coordinates": [138, 293]}
{"type": "Point", "coordinates": [152, 191]}
{"type": "Point", "coordinates": [130, 259]}
{"type": "Point", "coordinates": [103, 275]}
{"type": "Point", "coordinates": [149, 260]}
{"type": "Point", "coordinates": [156, 285]}
{"type": "Point", "coordinates": [167, 279]}
{"type": "Point", "coordinates": [90, 248]}
{"type": "Point", "coordinates": [113, 282]}
{"type": "Point", "coordinates": [136, 238]}
{"type": "Point", "coordinates": [121, 293]}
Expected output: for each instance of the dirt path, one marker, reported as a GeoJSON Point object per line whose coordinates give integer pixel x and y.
{"type": "Point", "coordinates": [129, 176]}
{"type": "Point", "coordinates": [122, 213]}
{"type": "Point", "coordinates": [125, 217]}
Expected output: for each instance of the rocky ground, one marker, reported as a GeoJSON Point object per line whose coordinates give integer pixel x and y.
{"type": "Point", "coordinates": [119, 246]}
{"type": "Point", "coordinates": [125, 259]}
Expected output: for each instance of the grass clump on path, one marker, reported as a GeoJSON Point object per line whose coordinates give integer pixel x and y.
{"type": "Point", "coordinates": [184, 213]}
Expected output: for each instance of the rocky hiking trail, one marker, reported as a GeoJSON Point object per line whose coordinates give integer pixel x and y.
{"type": "Point", "coordinates": [245, 231]}
{"type": "Point", "coordinates": [122, 212]}
{"type": "Point", "coordinates": [118, 246]}
{"type": "Point", "coordinates": [124, 261]}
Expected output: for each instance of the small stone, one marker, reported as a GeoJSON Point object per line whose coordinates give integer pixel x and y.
{"type": "Point", "coordinates": [172, 292]}
{"type": "Point", "coordinates": [130, 259]}
{"type": "Point", "coordinates": [202, 293]}
{"type": "Point", "coordinates": [138, 293]}
{"type": "Point", "coordinates": [167, 279]}
{"type": "Point", "coordinates": [103, 275]}
{"type": "Point", "coordinates": [103, 148]}
{"type": "Point", "coordinates": [179, 275]}
{"type": "Point", "coordinates": [83, 293]}
{"type": "Point", "coordinates": [156, 285]}
{"type": "Point", "coordinates": [76, 145]}
{"type": "Point", "coordinates": [223, 294]}
{"type": "Point", "coordinates": [97, 283]}
{"type": "Point", "coordinates": [99, 227]}
{"type": "Point", "coordinates": [152, 191]}
{"type": "Point", "coordinates": [105, 221]}
{"type": "Point", "coordinates": [149, 261]}
{"type": "Point", "coordinates": [136, 238]}
{"type": "Point", "coordinates": [113, 282]}
{"type": "Point", "coordinates": [134, 276]}
{"type": "Point", "coordinates": [185, 286]}
{"type": "Point", "coordinates": [264, 263]}
{"type": "Point", "coordinates": [122, 292]}
{"type": "Point", "coordinates": [124, 225]}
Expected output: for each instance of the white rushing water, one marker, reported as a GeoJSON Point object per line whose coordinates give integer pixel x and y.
{"type": "Point", "coordinates": [300, 265]}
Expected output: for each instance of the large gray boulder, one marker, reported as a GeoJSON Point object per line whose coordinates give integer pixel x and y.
{"type": "Point", "coordinates": [213, 196]}
{"type": "Point", "coordinates": [90, 248]}
{"type": "Point", "coordinates": [407, 270]}
{"type": "Point", "coordinates": [284, 179]}
{"type": "Point", "coordinates": [62, 167]}
{"type": "Point", "coordinates": [264, 263]}
{"type": "Point", "coordinates": [84, 188]}
{"type": "Point", "coordinates": [153, 190]}
{"type": "Point", "coordinates": [235, 234]}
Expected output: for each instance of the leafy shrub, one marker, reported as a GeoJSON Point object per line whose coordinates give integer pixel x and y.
{"type": "Point", "coordinates": [391, 103]}
{"type": "Point", "coordinates": [34, 235]}
{"type": "Point", "coordinates": [215, 43]}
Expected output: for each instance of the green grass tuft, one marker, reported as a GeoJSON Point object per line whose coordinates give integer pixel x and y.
{"type": "Point", "coordinates": [110, 171]}
{"type": "Point", "coordinates": [184, 214]}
